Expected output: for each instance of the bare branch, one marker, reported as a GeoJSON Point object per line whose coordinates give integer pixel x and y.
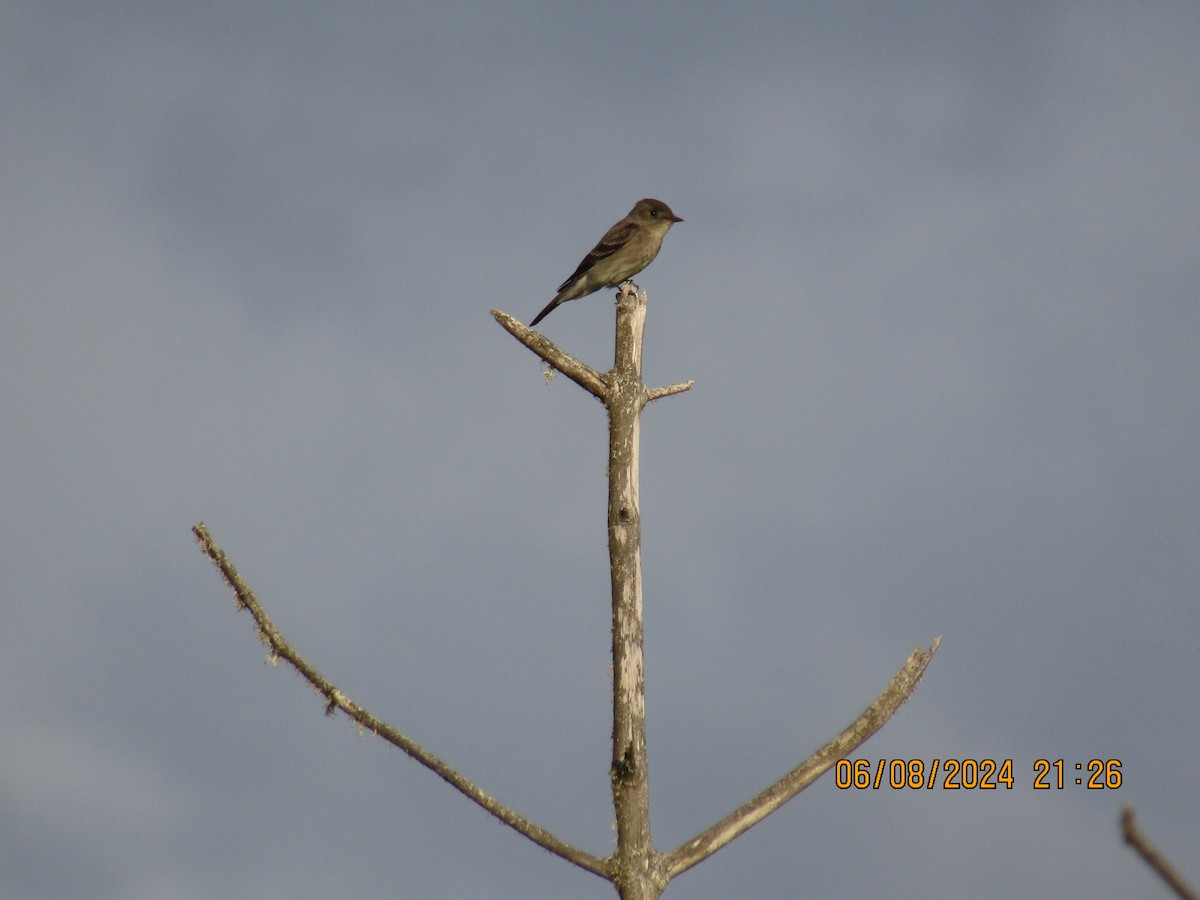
{"type": "Point", "coordinates": [335, 699]}
{"type": "Point", "coordinates": [579, 372]}
{"type": "Point", "coordinates": [749, 814]}
{"type": "Point", "coordinates": [679, 388]}
{"type": "Point", "coordinates": [1155, 860]}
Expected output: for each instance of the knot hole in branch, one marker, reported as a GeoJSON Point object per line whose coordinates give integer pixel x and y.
{"type": "Point", "coordinates": [624, 767]}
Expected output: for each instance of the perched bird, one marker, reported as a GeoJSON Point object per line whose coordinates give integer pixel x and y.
{"type": "Point", "coordinates": [626, 249]}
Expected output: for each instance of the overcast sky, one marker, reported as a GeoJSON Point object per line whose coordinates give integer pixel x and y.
{"type": "Point", "coordinates": [937, 286]}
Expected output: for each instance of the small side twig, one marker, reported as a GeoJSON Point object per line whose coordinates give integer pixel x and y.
{"type": "Point", "coordinates": [668, 390]}
{"type": "Point", "coordinates": [335, 699]}
{"type": "Point", "coordinates": [754, 811]}
{"type": "Point", "coordinates": [1155, 860]}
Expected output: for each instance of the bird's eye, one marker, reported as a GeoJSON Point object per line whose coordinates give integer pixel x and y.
{"type": "Point", "coordinates": [654, 212]}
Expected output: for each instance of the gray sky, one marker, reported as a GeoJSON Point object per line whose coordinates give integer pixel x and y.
{"type": "Point", "coordinates": [937, 286]}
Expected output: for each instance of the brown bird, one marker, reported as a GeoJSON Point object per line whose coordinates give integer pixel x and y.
{"type": "Point", "coordinates": [626, 249]}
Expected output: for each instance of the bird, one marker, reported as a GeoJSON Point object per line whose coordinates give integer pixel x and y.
{"type": "Point", "coordinates": [626, 249]}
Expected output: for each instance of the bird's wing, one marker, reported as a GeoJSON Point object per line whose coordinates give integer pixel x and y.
{"type": "Point", "coordinates": [614, 239]}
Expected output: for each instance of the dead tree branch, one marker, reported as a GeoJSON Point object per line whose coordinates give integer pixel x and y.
{"type": "Point", "coordinates": [1134, 838]}
{"type": "Point", "coordinates": [335, 699]}
{"type": "Point", "coordinates": [754, 811]}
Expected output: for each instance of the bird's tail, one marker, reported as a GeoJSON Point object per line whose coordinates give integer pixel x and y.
{"type": "Point", "coordinates": [549, 308]}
